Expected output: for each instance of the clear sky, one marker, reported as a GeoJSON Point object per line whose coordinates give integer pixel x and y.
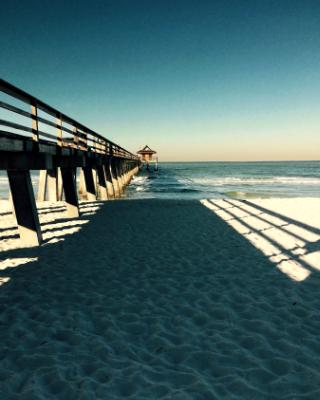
{"type": "Point", "coordinates": [193, 79]}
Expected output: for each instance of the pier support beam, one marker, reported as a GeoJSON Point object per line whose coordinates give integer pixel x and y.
{"type": "Point", "coordinates": [50, 185]}
{"type": "Point", "coordinates": [95, 181]}
{"type": "Point", "coordinates": [114, 175]}
{"type": "Point", "coordinates": [25, 207]}
{"type": "Point", "coordinates": [118, 165]}
{"type": "Point", "coordinates": [124, 173]}
{"type": "Point", "coordinates": [70, 192]}
{"type": "Point", "coordinates": [82, 186]}
{"type": "Point", "coordinates": [110, 189]}
{"type": "Point", "coordinates": [134, 172]}
{"type": "Point", "coordinates": [42, 185]}
{"type": "Point", "coordinates": [129, 174]}
{"type": "Point", "coordinates": [89, 183]}
{"type": "Point", "coordinates": [101, 183]}
{"type": "Point", "coordinates": [60, 185]}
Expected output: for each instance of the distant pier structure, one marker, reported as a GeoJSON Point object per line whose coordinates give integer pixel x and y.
{"type": "Point", "coordinates": [147, 157]}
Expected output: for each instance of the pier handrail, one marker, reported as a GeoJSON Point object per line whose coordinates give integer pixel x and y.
{"type": "Point", "coordinates": [79, 137]}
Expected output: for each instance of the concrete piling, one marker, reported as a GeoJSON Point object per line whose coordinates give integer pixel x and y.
{"type": "Point", "coordinates": [25, 207]}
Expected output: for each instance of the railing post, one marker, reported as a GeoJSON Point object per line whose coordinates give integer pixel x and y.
{"type": "Point", "coordinates": [35, 126]}
{"type": "Point", "coordinates": [85, 140]}
{"type": "Point", "coordinates": [75, 137]}
{"type": "Point", "coordinates": [59, 130]}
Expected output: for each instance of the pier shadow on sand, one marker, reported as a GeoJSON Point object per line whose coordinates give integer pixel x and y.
{"type": "Point", "coordinates": [158, 300]}
{"type": "Point", "coordinates": [289, 243]}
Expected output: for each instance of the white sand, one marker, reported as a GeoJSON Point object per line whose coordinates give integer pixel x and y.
{"type": "Point", "coordinates": [287, 231]}
{"type": "Point", "coordinates": [164, 300]}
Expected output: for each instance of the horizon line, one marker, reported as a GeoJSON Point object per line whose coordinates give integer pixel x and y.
{"type": "Point", "coordinates": [239, 161]}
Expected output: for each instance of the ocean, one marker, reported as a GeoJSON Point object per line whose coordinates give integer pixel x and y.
{"type": "Point", "coordinates": [198, 180]}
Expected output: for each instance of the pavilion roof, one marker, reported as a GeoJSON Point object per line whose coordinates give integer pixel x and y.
{"type": "Point", "coordinates": [146, 150]}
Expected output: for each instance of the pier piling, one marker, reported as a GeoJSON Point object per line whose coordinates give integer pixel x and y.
{"type": "Point", "coordinates": [25, 207]}
{"type": "Point", "coordinates": [101, 183]}
{"type": "Point", "coordinates": [70, 192]}
{"type": "Point", "coordinates": [110, 188]}
{"type": "Point", "coordinates": [89, 183]}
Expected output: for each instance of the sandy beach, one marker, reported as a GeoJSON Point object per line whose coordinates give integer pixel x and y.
{"type": "Point", "coordinates": [163, 299]}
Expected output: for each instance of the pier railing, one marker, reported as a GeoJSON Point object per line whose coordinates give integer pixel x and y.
{"type": "Point", "coordinates": [69, 133]}
{"type": "Point", "coordinates": [36, 136]}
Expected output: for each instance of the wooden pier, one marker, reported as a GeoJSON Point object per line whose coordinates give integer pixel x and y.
{"type": "Point", "coordinates": [59, 147]}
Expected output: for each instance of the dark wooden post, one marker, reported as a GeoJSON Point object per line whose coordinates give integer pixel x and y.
{"type": "Point", "coordinates": [124, 169]}
{"type": "Point", "coordinates": [126, 173]}
{"type": "Point", "coordinates": [82, 186]}
{"type": "Point", "coordinates": [75, 137]}
{"type": "Point", "coordinates": [110, 189]}
{"type": "Point", "coordinates": [59, 130]}
{"type": "Point", "coordinates": [52, 184]}
{"type": "Point", "coordinates": [119, 175]}
{"type": "Point", "coordinates": [59, 185]}
{"type": "Point", "coordinates": [35, 126]}
{"type": "Point", "coordinates": [101, 183]}
{"type": "Point", "coordinates": [42, 188]}
{"type": "Point", "coordinates": [114, 176]}
{"type": "Point", "coordinates": [70, 192]}
{"type": "Point", "coordinates": [129, 173]}
{"type": "Point", "coordinates": [89, 182]}
{"type": "Point", "coordinates": [133, 171]}
{"type": "Point", "coordinates": [123, 173]}
{"type": "Point", "coordinates": [25, 207]}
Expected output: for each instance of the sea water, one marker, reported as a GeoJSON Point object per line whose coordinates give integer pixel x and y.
{"type": "Point", "coordinates": [198, 180]}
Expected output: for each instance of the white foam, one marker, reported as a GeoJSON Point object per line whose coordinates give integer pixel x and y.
{"type": "Point", "coordinates": [139, 180]}
{"type": "Point", "coordinates": [231, 180]}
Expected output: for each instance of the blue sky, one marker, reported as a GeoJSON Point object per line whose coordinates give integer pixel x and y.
{"type": "Point", "coordinates": [195, 80]}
